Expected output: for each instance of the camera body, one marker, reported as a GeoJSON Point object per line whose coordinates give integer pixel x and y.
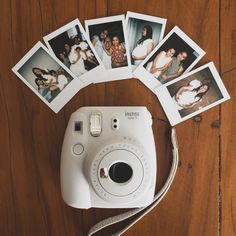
{"type": "Point", "coordinates": [108, 158]}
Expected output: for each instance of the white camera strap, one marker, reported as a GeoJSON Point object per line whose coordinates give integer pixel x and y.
{"type": "Point", "coordinates": [144, 210]}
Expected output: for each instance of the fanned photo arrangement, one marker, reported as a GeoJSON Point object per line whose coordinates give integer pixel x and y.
{"type": "Point", "coordinates": [122, 47]}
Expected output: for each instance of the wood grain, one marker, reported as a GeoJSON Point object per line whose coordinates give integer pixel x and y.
{"type": "Point", "coordinates": [228, 165]}
{"type": "Point", "coordinates": [228, 35]}
{"type": "Point", "coordinates": [31, 134]}
{"type": "Point", "coordinates": [228, 129]}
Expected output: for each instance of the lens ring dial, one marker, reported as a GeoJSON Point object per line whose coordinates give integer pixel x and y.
{"type": "Point", "coordinates": [120, 152]}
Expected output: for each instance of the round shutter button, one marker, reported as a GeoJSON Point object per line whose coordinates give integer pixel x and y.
{"type": "Point", "coordinates": [78, 149]}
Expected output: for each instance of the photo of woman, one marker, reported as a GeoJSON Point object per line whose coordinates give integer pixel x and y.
{"type": "Point", "coordinates": [187, 96]}
{"type": "Point", "coordinates": [144, 46]}
{"type": "Point", "coordinates": [192, 94]}
{"type": "Point", "coordinates": [144, 33]}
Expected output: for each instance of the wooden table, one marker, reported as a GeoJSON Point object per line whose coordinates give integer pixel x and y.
{"type": "Point", "coordinates": [202, 198]}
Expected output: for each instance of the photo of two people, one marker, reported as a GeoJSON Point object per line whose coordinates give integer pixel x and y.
{"type": "Point", "coordinates": [171, 59]}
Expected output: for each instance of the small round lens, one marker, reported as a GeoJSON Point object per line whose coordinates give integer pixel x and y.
{"type": "Point", "coordinates": [120, 172]}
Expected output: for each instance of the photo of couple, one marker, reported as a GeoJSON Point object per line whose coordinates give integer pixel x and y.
{"type": "Point", "coordinates": [109, 43]}
{"type": "Point", "coordinates": [171, 59]}
{"type": "Point", "coordinates": [167, 65]}
{"type": "Point", "coordinates": [74, 51]}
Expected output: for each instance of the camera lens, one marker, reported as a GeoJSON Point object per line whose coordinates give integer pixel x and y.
{"type": "Point", "coordinates": [120, 172]}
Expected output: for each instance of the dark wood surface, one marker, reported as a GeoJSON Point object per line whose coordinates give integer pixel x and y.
{"type": "Point", "coordinates": [201, 200]}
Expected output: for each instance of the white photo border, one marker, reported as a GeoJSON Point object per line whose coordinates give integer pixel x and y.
{"type": "Point", "coordinates": [170, 108]}
{"type": "Point", "coordinates": [94, 75]}
{"type": "Point", "coordinates": [149, 80]}
{"type": "Point", "coordinates": [114, 73]}
{"type": "Point", "coordinates": [65, 95]}
{"type": "Point", "coordinates": [150, 18]}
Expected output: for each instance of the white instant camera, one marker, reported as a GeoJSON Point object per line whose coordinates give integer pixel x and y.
{"type": "Point", "coordinates": [109, 158]}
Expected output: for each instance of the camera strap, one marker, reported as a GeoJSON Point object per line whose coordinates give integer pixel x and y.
{"type": "Point", "coordinates": [143, 210]}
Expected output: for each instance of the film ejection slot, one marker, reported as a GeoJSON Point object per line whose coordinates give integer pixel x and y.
{"type": "Point", "coordinates": [95, 124]}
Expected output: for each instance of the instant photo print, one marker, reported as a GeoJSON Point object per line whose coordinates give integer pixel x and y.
{"type": "Point", "coordinates": [71, 46]}
{"type": "Point", "coordinates": [109, 38]}
{"type": "Point", "coordinates": [175, 55]}
{"type": "Point", "coordinates": [144, 33]}
{"type": "Point", "coordinates": [191, 94]}
{"type": "Point", "coordinates": [47, 77]}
